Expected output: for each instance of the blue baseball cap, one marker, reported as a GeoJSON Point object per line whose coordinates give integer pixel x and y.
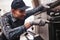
{"type": "Point", "coordinates": [19, 4]}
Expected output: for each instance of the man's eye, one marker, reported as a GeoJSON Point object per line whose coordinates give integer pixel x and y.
{"type": "Point", "coordinates": [22, 10]}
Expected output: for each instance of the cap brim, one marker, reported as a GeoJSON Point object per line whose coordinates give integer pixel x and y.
{"type": "Point", "coordinates": [24, 8]}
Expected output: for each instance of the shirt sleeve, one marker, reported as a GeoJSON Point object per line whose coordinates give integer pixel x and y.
{"type": "Point", "coordinates": [9, 32]}
{"type": "Point", "coordinates": [34, 10]}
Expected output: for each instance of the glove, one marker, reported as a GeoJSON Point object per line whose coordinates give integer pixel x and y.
{"type": "Point", "coordinates": [40, 22]}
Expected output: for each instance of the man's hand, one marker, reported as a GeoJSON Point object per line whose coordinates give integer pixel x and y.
{"type": "Point", "coordinates": [27, 25]}
{"type": "Point", "coordinates": [40, 22]}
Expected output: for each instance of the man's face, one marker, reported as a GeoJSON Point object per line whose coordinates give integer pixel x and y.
{"type": "Point", "coordinates": [19, 14]}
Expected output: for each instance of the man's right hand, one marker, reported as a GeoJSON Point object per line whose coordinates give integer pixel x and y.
{"type": "Point", "coordinates": [27, 25]}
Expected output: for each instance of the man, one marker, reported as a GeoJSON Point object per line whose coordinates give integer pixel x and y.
{"type": "Point", "coordinates": [13, 22]}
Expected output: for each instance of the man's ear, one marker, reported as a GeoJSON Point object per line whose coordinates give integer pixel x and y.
{"type": "Point", "coordinates": [12, 10]}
